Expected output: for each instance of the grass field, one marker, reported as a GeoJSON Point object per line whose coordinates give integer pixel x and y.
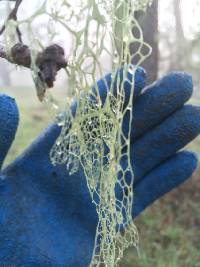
{"type": "Point", "coordinates": [169, 230]}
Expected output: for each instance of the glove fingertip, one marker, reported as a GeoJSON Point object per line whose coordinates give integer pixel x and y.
{"type": "Point", "coordinates": [140, 80]}
{"type": "Point", "coordinates": [163, 179]}
{"type": "Point", "coordinates": [191, 160]}
{"type": "Point", "coordinates": [139, 76]}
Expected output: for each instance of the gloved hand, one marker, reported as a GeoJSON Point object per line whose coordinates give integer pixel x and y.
{"type": "Point", "coordinates": [47, 217]}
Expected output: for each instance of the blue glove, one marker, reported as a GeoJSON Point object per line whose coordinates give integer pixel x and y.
{"type": "Point", "coordinates": [47, 217]}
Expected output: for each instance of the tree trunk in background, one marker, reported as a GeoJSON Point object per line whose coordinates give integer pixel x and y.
{"type": "Point", "coordinates": [178, 19]}
{"type": "Point", "coordinates": [176, 60]}
{"type": "Point", "coordinates": [149, 23]}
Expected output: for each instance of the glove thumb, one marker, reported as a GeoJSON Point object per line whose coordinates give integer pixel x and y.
{"type": "Point", "coordinates": [9, 118]}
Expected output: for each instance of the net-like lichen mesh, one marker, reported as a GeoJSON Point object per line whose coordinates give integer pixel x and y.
{"type": "Point", "coordinates": [92, 137]}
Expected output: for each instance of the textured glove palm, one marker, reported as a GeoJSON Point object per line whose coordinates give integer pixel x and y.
{"type": "Point", "coordinates": [46, 216]}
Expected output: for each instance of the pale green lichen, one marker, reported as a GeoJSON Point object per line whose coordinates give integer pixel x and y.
{"type": "Point", "coordinates": [93, 137]}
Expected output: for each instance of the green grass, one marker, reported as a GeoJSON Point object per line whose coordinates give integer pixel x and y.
{"type": "Point", "coordinates": [33, 118]}
{"type": "Point", "coordinates": [169, 230]}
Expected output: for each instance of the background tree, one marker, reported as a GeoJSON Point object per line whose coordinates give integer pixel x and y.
{"type": "Point", "coordinates": [149, 25]}
{"type": "Point", "coordinates": [178, 50]}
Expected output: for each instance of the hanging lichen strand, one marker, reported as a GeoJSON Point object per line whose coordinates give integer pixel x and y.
{"type": "Point", "coordinates": [92, 135]}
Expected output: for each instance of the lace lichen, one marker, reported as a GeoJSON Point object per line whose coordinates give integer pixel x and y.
{"type": "Point", "coordinates": [92, 136]}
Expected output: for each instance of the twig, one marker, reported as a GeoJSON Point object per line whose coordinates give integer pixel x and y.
{"type": "Point", "coordinates": [13, 16]}
{"type": "Point", "coordinates": [49, 61]}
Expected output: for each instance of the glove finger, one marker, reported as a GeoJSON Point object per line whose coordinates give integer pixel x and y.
{"type": "Point", "coordinates": [163, 179]}
{"type": "Point", "coordinates": [9, 118]}
{"type": "Point", "coordinates": [165, 139]}
{"type": "Point", "coordinates": [104, 84]}
{"type": "Point", "coordinates": [158, 101]}
{"type": "Point", "coordinates": [139, 83]}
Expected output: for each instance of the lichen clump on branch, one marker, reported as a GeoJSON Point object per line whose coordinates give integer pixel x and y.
{"type": "Point", "coordinates": [92, 136]}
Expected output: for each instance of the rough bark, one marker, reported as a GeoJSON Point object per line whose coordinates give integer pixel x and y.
{"type": "Point", "coordinates": [149, 24]}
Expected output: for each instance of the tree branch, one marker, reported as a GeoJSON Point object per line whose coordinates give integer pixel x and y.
{"type": "Point", "coordinates": [13, 16]}
{"type": "Point", "coordinates": [49, 61]}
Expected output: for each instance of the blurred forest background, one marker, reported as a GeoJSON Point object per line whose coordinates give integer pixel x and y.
{"type": "Point", "coordinates": [169, 230]}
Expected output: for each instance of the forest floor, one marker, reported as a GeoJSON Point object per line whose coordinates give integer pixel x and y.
{"type": "Point", "coordinates": [169, 230]}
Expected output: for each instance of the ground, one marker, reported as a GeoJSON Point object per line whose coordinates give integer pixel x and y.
{"type": "Point", "coordinates": [169, 230]}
